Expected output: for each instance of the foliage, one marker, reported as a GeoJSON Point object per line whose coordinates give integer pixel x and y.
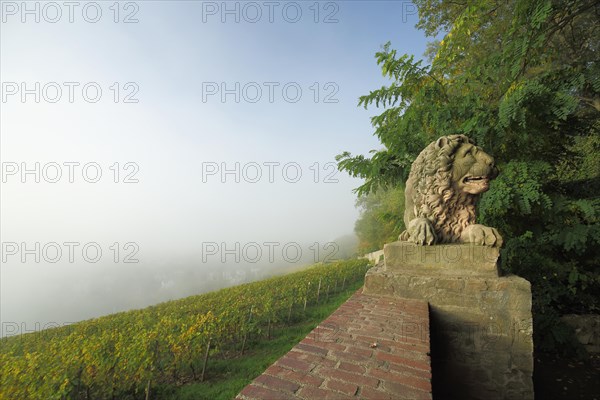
{"type": "Point", "coordinates": [381, 218]}
{"type": "Point", "coordinates": [118, 356]}
{"type": "Point", "coordinates": [522, 78]}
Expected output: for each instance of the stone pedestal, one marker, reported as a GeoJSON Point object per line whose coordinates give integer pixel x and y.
{"type": "Point", "coordinates": [481, 323]}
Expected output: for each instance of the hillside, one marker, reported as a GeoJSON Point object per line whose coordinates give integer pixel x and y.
{"type": "Point", "coordinates": [130, 354]}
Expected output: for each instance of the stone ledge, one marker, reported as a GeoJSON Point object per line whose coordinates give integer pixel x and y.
{"type": "Point", "coordinates": [447, 259]}
{"type": "Point", "coordinates": [467, 291]}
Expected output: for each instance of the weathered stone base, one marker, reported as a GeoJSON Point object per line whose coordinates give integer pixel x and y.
{"type": "Point", "coordinates": [481, 324]}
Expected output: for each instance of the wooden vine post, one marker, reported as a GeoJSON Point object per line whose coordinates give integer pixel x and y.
{"type": "Point", "coordinates": [148, 390]}
{"type": "Point", "coordinates": [246, 333]}
{"type": "Point", "coordinates": [318, 290]}
{"type": "Point", "coordinates": [306, 296]}
{"type": "Point", "coordinates": [205, 360]}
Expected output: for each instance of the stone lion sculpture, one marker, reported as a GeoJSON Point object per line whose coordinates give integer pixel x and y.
{"type": "Point", "coordinates": [443, 187]}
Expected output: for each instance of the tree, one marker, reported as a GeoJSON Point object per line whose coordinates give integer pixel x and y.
{"type": "Point", "coordinates": [381, 219]}
{"type": "Point", "coordinates": [522, 78]}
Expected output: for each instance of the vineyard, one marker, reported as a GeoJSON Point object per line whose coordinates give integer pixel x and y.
{"type": "Point", "coordinates": [124, 355]}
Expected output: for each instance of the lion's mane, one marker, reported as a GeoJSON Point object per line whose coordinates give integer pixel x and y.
{"type": "Point", "coordinates": [433, 194]}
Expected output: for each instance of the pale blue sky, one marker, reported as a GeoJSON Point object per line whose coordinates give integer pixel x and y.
{"type": "Point", "coordinates": [170, 54]}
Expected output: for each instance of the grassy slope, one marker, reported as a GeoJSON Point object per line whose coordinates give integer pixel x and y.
{"type": "Point", "coordinates": [227, 372]}
{"type": "Point", "coordinates": [227, 377]}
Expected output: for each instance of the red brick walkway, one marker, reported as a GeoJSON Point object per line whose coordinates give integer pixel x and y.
{"type": "Point", "coordinates": [369, 348]}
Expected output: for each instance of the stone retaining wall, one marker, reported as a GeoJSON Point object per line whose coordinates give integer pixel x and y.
{"type": "Point", "coordinates": [481, 323]}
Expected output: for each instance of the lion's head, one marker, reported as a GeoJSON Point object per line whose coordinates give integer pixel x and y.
{"type": "Point", "coordinates": [444, 185]}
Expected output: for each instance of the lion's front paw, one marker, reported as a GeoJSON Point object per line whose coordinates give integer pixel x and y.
{"type": "Point", "coordinates": [421, 231]}
{"type": "Point", "coordinates": [482, 235]}
{"type": "Point", "coordinates": [404, 236]}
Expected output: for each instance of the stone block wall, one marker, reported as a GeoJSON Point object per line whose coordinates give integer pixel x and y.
{"type": "Point", "coordinates": [481, 323]}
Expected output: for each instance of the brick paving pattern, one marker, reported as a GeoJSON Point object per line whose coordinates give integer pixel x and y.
{"type": "Point", "coordinates": [369, 348]}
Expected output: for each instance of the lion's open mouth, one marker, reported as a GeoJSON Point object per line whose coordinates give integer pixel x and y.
{"type": "Point", "coordinates": [476, 179]}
